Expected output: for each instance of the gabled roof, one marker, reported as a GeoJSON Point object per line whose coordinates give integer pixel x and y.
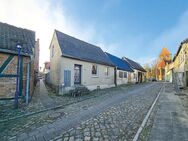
{"type": "Point", "coordinates": [77, 49]}
{"type": "Point", "coordinates": [119, 63]}
{"type": "Point", "coordinates": [134, 64]}
{"type": "Point", "coordinates": [11, 35]}
{"type": "Point", "coordinates": [179, 48]}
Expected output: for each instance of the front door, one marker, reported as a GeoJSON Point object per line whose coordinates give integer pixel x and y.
{"type": "Point", "coordinates": [77, 74]}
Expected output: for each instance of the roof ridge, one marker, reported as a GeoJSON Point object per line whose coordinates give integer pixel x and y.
{"type": "Point", "coordinates": [75, 48]}
{"type": "Point", "coordinates": [17, 27]}
{"type": "Point", "coordinates": [76, 38]}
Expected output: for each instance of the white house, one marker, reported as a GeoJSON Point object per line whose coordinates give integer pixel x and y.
{"type": "Point", "coordinates": [46, 67]}
{"type": "Point", "coordinates": [122, 70]}
{"type": "Point", "coordinates": [74, 62]}
{"type": "Point", "coordinates": [139, 72]}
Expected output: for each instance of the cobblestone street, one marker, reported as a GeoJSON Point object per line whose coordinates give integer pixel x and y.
{"type": "Point", "coordinates": [112, 114]}
{"type": "Point", "coordinates": [119, 122]}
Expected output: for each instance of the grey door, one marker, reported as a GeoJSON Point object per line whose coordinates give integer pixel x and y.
{"type": "Point", "coordinates": [67, 78]}
{"type": "Point", "coordinates": [77, 74]}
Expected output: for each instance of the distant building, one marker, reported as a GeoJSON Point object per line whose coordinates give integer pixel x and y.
{"type": "Point", "coordinates": [46, 67]}
{"type": "Point", "coordinates": [181, 64]}
{"type": "Point", "coordinates": [10, 36]}
{"type": "Point", "coordinates": [164, 59]}
{"type": "Point", "coordinates": [74, 62]}
{"type": "Point", "coordinates": [122, 71]}
{"type": "Point", "coordinates": [139, 74]}
{"type": "Point", "coordinates": [169, 72]}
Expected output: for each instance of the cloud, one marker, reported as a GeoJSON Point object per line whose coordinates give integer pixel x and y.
{"type": "Point", "coordinates": [43, 17]}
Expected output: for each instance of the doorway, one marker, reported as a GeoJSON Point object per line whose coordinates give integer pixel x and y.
{"type": "Point", "coordinates": [77, 74]}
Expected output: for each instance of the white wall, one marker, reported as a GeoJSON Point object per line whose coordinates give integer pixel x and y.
{"type": "Point", "coordinates": [123, 80]}
{"type": "Point", "coordinates": [87, 79]}
{"type": "Point", "coordinates": [55, 68]}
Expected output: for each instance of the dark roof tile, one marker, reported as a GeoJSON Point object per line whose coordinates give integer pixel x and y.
{"type": "Point", "coordinates": [75, 48]}
{"type": "Point", "coordinates": [134, 64]}
{"type": "Point", "coordinates": [119, 63]}
{"type": "Point", "coordinates": [11, 35]}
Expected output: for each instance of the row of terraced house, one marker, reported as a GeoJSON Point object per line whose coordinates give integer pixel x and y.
{"type": "Point", "coordinates": [76, 63]}
{"type": "Point", "coordinates": [178, 69]}
{"type": "Point", "coordinates": [72, 63]}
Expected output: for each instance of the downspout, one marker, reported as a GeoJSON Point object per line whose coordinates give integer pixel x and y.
{"type": "Point", "coordinates": [27, 82]}
{"type": "Point", "coordinates": [115, 76]}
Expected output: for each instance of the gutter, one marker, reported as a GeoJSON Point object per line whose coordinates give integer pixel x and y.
{"type": "Point", "coordinates": [90, 61]}
{"type": "Point", "coordinates": [13, 52]}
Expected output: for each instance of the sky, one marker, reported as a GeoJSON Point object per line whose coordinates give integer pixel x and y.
{"type": "Point", "coordinates": [137, 29]}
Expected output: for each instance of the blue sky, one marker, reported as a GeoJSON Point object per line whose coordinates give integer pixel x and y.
{"type": "Point", "coordinates": [133, 26]}
{"type": "Point", "coordinates": [137, 29]}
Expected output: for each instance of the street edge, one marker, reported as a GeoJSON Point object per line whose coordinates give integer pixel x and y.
{"type": "Point", "coordinates": [147, 116]}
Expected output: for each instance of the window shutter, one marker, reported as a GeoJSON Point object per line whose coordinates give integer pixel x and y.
{"type": "Point", "coordinates": [67, 78]}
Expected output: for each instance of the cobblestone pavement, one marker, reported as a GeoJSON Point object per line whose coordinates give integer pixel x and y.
{"type": "Point", "coordinates": [119, 122]}
{"type": "Point", "coordinates": [37, 103]}
{"type": "Point", "coordinates": [122, 107]}
{"type": "Point", "coordinates": [171, 119]}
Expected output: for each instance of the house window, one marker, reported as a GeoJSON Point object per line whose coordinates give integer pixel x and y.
{"type": "Point", "coordinates": [120, 74]}
{"type": "Point", "coordinates": [94, 70]}
{"type": "Point", "coordinates": [125, 74]}
{"type": "Point", "coordinates": [107, 71]}
{"type": "Point", "coordinates": [52, 50]}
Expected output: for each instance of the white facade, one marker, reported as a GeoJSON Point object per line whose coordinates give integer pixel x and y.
{"type": "Point", "coordinates": [104, 77]}
{"type": "Point", "coordinates": [122, 77]}
{"type": "Point", "coordinates": [87, 78]}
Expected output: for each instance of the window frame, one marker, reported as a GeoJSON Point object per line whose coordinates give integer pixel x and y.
{"type": "Point", "coordinates": [94, 74]}
{"type": "Point", "coordinates": [124, 74]}
{"type": "Point", "coordinates": [107, 71]}
{"type": "Point", "coordinates": [120, 76]}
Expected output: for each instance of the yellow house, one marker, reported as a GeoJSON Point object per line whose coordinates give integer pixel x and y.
{"type": "Point", "coordinates": [181, 64]}
{"type": "Point", "coordinates": [169, 72]}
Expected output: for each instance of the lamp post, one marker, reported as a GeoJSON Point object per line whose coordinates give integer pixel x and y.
{"type": "Point", "coordinates": [19, 47]}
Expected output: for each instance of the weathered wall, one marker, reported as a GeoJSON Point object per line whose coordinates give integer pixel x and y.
{"type": "Point", "coordinates": [87, 78]}
{"type": "Point", "coordinates": [123, 80]}
{"type": "Point", "coordinates": [8, 84]}
{"type": "Point", "coordinates": [181, 63]}
{"type": "Point", "coordinates": [55, 67]}
{"type": "Point", "coordinates": [36, 56]}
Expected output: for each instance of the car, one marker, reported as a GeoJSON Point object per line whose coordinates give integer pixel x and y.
{"type": "Point", "coordinates": [153, 79]}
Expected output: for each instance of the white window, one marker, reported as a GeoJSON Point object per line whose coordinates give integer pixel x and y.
{"type": "Point", "coordinates": [125, 74]}
{"type": "Point", "coordinates": [120, 74]}
{"type": "Point", "coordinates": [107, 71]}
{"type": "Point", "coordinates": [94, 70]}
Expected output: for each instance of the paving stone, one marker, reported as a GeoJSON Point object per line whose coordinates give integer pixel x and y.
{"type": "Point", "coordinates": [87, 138]}
{"type": "Point", "coordinates": [71, 139]}
{"type": "Point", "coordinates": [101, 127]}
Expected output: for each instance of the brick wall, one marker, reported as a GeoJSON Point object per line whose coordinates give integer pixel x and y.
{"type": "Point", "coordinates": [8, 84]}
{"type": "Point", "coordinates": [36, 57]}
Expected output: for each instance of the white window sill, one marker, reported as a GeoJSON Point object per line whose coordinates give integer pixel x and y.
{"type": "Point", "coordinates": [94, 76]}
